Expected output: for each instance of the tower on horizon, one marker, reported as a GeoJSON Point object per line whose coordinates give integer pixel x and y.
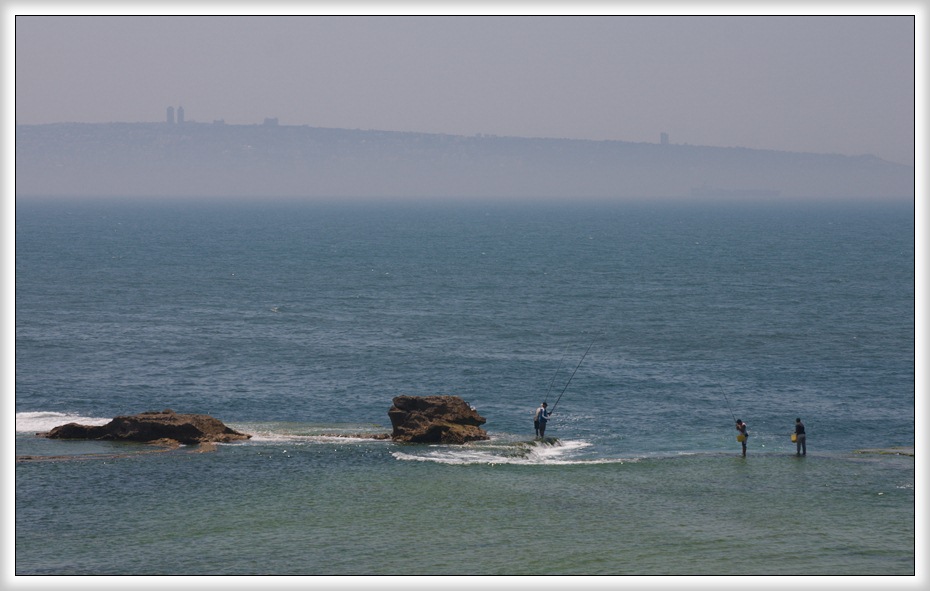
{"type": "Point", "coordinates": [180, 114]}
{"type": "Point", "coordinates": [170, 115]}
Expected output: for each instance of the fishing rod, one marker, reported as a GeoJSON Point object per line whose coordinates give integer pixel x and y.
{"type": "Point", "coordinates": [573, 375]}
{"type": "Point", "coordinates": [552, 381]}
{"type": "Point", "coordinates": [729, 407]}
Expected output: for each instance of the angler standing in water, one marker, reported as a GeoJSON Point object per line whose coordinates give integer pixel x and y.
{"type": "Point", "coordinates": [743, 434]}
{"type": "Point", "coordinates": [539, 421]}
{"type": "Point", "coordinates": [542, 414]}
{"type": "Point", "coordinates": [800, 437]}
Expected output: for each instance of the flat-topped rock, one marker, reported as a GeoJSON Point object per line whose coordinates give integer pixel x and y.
{"type": "Point", "coordinates": [152, 426]}
{"type": "Point", "coordinates": [435, 419]}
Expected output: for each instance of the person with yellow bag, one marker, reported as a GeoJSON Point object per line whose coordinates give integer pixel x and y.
{"type": "Point", "coordinates": [742, 434]}
{"type": "Point", "coordinates": [799, 437]}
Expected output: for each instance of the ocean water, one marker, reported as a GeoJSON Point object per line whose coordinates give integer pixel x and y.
{"type": "Point", "coordinates": [294, 321]}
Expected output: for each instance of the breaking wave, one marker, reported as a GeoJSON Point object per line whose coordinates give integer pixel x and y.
{"type": "Point", "coordinates": [39, 422]}
{"type": "Point", "coordinates": [548, 452]}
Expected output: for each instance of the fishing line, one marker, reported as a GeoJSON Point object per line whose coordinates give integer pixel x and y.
{"type": "Point", "coordinates": [729, 407]}
{"type": "Point", "coordinates": [573, 374]}
{"type": "Point", "coordinates": [546, 397]}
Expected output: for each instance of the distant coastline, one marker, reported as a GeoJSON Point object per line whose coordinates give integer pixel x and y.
{"type": "Point", "coordinates": [708, 191]}
{"type": "Point", "coordinates": [219, 159]}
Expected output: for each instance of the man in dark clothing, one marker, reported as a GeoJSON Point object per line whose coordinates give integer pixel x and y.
{"type": "Point", "coordinates": [742, 434]}
{"type": "Point", "coordinates": [539, 421]}
{"type": "Point", "coordinates": [801, 437]}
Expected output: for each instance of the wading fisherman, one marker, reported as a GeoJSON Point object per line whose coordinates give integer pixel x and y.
{"type": "Point", "coordinates": [539, 420]}
{"type": "Point", "coordinates": [801, 437]}
{"type": "Point", "coordinates": [743, 434]}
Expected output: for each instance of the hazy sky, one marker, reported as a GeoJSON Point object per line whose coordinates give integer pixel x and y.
{"type": "Point", "coordinates": [820, 84]}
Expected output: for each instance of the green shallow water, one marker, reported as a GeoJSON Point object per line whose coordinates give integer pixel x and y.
{"type": "Point", "coordinates": [354, 508]}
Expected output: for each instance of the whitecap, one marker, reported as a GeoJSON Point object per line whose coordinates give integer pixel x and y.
{"type": "Point", "coordinates": [41, 421]}
{"type": "Point", "coordinates": [281, 432]}
{"type": "Point", "coordinates": [560, 452]}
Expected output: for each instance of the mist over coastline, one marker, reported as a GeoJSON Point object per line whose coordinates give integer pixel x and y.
{"type": "Point", "coordinates": [216, 159]}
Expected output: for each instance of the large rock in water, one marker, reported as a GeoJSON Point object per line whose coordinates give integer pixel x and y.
{"type": "Point", "coordinates": [435, 419]}
{"type": "Point", "coordinates": [153, 426]}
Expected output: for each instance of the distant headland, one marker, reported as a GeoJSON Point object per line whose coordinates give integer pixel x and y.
{"type": "Point", "coordinates": [177, 157]}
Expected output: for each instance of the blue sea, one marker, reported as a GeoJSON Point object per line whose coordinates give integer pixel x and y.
{"type": "Point", "coordinates": [295, 321]}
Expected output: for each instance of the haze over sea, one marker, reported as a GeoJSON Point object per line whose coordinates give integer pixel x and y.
{"type": "Point", "coordinates": [293, 320]}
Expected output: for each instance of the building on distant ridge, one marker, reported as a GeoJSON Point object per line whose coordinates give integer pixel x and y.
{"type": "Point", "coordinates": [180, 115]}
{"type": "Point", "coordinates": [663, 138]}
{"type": "Point", "coordinates": [170, 115]}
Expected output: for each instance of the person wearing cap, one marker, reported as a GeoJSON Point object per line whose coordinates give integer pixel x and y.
{"type": "Point", "coordinates": [742, 428]}
{"type": "Point", "coordinates": [539, 420]}
{"type": "Point", "coordinates": [801, 437]}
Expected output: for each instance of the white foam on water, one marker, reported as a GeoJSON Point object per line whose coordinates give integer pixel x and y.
{"type": "Point", "coordinates": [271, 437]}
{"type": "Point", "coordinates": [41, 421]}
{"type": "Point", "coordinates": [520, 453]}
{"type": "Point", "coordinates": [304, 433]}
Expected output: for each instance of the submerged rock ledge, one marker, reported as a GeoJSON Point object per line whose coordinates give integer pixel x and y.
{"type": "Point", "coordinates": [888, 451]}
{"type": "Point", "coordinates": [378, 436]}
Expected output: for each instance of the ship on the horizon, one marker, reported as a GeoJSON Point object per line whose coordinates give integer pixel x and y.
{"type": "Point", "coordinates": [706, 190]}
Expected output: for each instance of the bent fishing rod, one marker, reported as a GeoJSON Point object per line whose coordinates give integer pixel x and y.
{"type": "Point", "coordinates": [729, 407]}
{"type": "Point", "coordinates": [552, 381]}
{"type": "Point", "coordinates": [573, 375]}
